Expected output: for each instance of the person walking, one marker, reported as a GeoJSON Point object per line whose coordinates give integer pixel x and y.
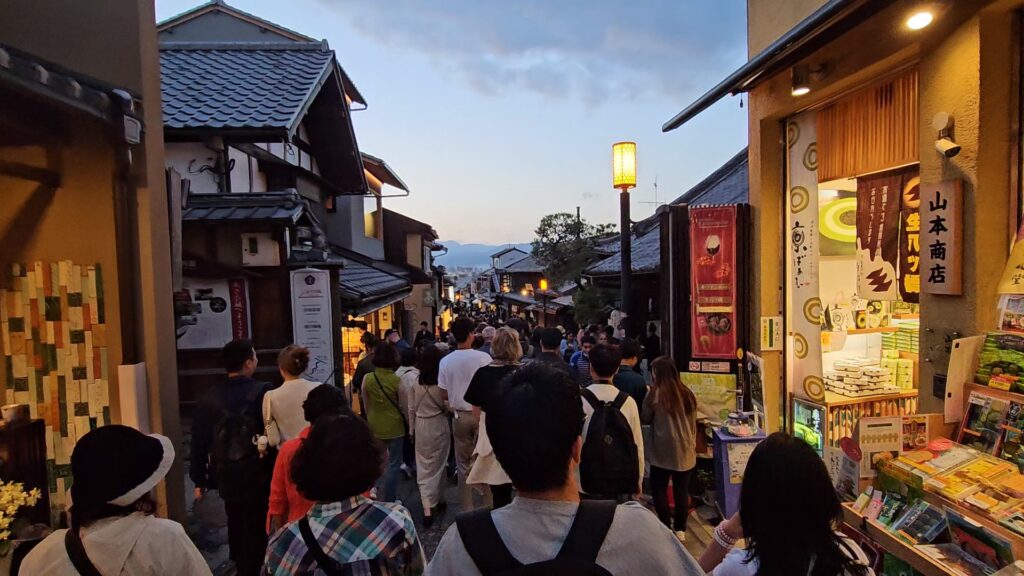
{"type": "Point", "coordinates": [428, 405]}
{"type": "Point", "coordinates": [423, 336]}
{"type": "Point", "coordinates": [580, 361]}
{"type": "Point", "coordinates": [671, 411]}
{"type": "Point", "coordinates": [455, 374]}
{"type": "Point", "coordinates": [408, 377]}
{"type": "Point", "coordinates": [224, 457]}
{"type": "Point", "coordinates": [113, 529]}
{"type": "Point", "coordinates": [612, 455]}
{"type": "Point", "coordinates": [364, 366]}
{"type": "Point", "coordinates": [488, 333]}
{"type": "Point", "coordinates": [627, 378]}
{"type": "Point", "coordinates": [482, 392]}
{"type": "Point", "coordinates": [282, 408]}
{"type": "Point", "coordinates": [286, 503]}
{"type": "Point", "coordinates": [385, 413]}
{"type": "Point", "coordinates": [535, 429]}
{"type": "Point", "coordinates": [652, 345]}
{"type": "Point", "coordinates": [550, 339]}
{"type": "Point", "coordinates": [789, 516]}
{"type": "Point", "coordinates": [344, 532]}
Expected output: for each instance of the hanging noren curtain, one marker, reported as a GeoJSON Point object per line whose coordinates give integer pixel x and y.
{"type": "Point", "coordinates": [871, 130]}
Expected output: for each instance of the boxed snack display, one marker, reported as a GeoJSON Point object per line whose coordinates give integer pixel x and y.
{"type": "Point", "coordinates": [855, 377]}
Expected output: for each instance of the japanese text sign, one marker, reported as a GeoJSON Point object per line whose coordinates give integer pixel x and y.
{"type": "Point", "coordinates": [713, 279]}
{"type": "Point", "coordinates": [942, 238]}
{"type": "Point", "coordinates": [1012, 281]}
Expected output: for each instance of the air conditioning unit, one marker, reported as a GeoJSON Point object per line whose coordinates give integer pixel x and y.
{"type": "Point", "coordinates": [260, 250]}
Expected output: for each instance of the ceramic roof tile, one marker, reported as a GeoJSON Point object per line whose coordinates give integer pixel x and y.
{"type": "Point", "coordinates": [238, 86]}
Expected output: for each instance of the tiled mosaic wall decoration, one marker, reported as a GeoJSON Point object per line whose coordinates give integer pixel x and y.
{"type": "Point", "coordinates": [55, 351]}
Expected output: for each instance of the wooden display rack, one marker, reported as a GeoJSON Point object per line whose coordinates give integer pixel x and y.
{"type": "Point", "coordinates": [887, 540]}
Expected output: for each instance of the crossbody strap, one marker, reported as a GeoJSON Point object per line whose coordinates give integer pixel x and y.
{"type": "Point", "coordinates": [329, 565]}
{"type": "Point", "coordinates": [76, 552]}
{"type": "Point", "coordinates": [405, 423]}
{"type": "Point", "coordinates": [427, 394]}
{"type": "Point", "coordinates": [483, 543]}
{"type": "Point", "coordinates": [588, 531]}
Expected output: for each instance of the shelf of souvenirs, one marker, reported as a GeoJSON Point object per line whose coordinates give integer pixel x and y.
{"type": "Point", "coordinates": [993, 392]}
{"type": "Point", "coordinates": [879, 533]}
{"type": "Point", "coordinates": [980, 486]}
{"type": "Point", "coordinates": [834, 400]}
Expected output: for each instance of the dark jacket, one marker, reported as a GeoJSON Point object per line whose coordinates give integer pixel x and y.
{"type": "Point", "coordinates": [230, 397]}
{"type": "Point", "coordinates": [364, 367]}
{"type": "Point", "coordinates": [554, 360]}
{"type": "Point", "coordinates": [627, 380]}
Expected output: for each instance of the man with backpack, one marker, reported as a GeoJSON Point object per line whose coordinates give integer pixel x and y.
{"type": "Point", "coordinates": [226, 455]}
{"type": "Point", "coordinates": [612, 465]}
{"type": "Point", "coordinates": [536, 433]}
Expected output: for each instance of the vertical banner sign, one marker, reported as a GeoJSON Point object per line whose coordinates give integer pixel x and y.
{"type": "Point", "coordinates": [942, 238]}
{"type": "Point", "coordinates": [311, 321]}
{"type": "Point", "coordinates": [805, 302]}
{"type": "Point", "coordinates": [910, 238]}
{"type": "Point", "coordinates": [713, 279]}
{"type": "Point", "coordinates": [878, 225]}
{"type": "Point", "coordinates": [1012, 281]}
{"type": "Point", "coordinates": [239, 308]}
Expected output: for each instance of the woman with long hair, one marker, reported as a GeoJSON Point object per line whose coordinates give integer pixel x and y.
{"type": "Point", "coordinates": [429, 409]}
{"type": "Point", "coordinates": [788, 514]}
{"type": "Point", "coordinates": [671, 410]}
{"type": "Point", "coordinates": [282, 407]}
{"type": "Point", "coordinates": [506, 351]}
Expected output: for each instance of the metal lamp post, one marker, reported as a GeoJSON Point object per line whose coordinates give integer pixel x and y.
{"type": "Point", "coordinates": [544, 301]}
{"type": "Point", "coordinates": [624, 178]}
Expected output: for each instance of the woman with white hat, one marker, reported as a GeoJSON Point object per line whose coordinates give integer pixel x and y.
{"type": "Point", "coordinates": [113, 530]}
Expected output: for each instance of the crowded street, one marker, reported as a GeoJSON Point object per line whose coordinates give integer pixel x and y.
{"type": "Point", "coordinates": [480, 288]}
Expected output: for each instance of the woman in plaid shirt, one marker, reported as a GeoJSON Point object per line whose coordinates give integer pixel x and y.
{"type": "Point", "coordinates": [344, 532]}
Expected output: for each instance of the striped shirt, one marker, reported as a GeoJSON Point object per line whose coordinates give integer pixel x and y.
{"type": "Point", "coordinates": [580, 363]}
{"type": "Point", "coordinates": [368, 537]}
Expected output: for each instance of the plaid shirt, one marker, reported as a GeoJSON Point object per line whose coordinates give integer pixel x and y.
{"type": "Point", "coordinates": [367, 537]}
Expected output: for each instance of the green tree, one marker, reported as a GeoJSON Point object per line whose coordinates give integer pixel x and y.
{"type": "Point", "coordinates": [566, 246]}
{"type": "Point", "coordinates": [589, 304]}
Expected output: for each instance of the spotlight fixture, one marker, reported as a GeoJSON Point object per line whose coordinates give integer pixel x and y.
{"type": "Point", "coordinates": [801, 80]}
{"type": "Point", "coordinates": [919, 20]}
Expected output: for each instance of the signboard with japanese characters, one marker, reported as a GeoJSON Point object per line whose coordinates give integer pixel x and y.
{"type": "Point", "coordinates": [311, 321]}
{"type": "Point", "coordinates": [942, 238]}
{"type": "Point", "coordinates": [713, 277]}
{"type": "Point", "coordinates": [1012, 281]}
{"type": "Point", "coordinates": [878, 240]}
{"type": "Point", "coordinates": [910, 239]}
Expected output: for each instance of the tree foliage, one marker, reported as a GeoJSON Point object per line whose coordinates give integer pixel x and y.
{"type": "Point", "coordinates": [566, 246]}
{"type": "Point", "coordinates": [589, 305]}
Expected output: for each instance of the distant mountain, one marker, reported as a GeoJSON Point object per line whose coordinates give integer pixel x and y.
{"type": "Point", "coordinates": [478, 255]}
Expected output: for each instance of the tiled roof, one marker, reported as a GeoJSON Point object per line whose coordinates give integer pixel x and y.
{"type": "Point", "coordinates": [528, 264]}
{"type": "Point", "coordinates": [501, 253]}
{"type": "Point", "coordinates": [27, 72]}
{"type": "Point", "coordinates": [283, 207]}
{"type": "Point", "coordinates": [646, 256]}
{"type": "Point", "coordinates": [365, 281]}
{"type": "Point", "coordinates": [245, 86]}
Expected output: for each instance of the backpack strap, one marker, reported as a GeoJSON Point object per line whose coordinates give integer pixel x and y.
{"type": "Point", "coordinates": [588, 531]}
{"type": "Point", "coordinates": [620, 400]}
{"type": "Point", "coordinates": [483, 543]}
{"type": "Point", "coordinates": [591, 398]}
{"type": "Point", "coordinates": [329, 565]}
{"type": "Point", "coordinates": [76, 552]}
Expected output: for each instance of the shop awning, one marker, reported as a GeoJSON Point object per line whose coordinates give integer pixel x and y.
{"type": "Point", "coordinates": [824, 25]}
{"type": "Point", "coordinates": [365, 288]}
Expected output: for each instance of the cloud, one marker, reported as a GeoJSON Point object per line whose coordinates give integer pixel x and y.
{"type": "Point", "coordinates": [585, 49]}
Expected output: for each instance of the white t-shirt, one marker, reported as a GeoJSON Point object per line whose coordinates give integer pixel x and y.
{"type": "Point", "coordinates": [734, 563]}
{"type": "Point", "coordinates": [456, 372]}
{"type": "Point", "coordinates": [607, 393]}
{"type": "Point", "coordinates": [131, 545]}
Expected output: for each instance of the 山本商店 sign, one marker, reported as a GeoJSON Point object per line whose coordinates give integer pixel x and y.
{"type": "Point", "coordinates": [942, 238]}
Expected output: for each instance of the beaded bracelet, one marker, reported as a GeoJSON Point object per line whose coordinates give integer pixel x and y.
{"type": "Point", "coordinates": [722, 538]}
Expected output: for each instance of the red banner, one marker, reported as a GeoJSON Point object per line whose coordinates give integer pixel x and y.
{"type": "Point", "coordinates": [239, 308]}
{"type": "Point", "coordinates": [713, 281]}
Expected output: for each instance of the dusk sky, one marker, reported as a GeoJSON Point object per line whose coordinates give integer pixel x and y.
{"type": "Point", "coordinates": [497, 113]}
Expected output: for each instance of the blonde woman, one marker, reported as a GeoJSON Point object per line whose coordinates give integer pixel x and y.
{"type": "Point", "coordinates": [282, 407]}
{"type": "Point", "coordinates": [506, 351]}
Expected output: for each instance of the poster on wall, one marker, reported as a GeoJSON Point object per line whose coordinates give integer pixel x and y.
{"type": "Point", "coordinates": [311, 321]}
{"type": "Point", "coordinates": [805, 319]}
{"type": "Point", "coordinates": [878, 225]}
{"type": "Point", "coordinates": [713, 280]}
{"type": "Point", "coordinates": [211, 312]}
{"type": "Point", "coordinates": [910, 238]}
{"type": "Point", "coordinates": [942, 238]}
{"type": "Point", "coordinates": [716, 393]}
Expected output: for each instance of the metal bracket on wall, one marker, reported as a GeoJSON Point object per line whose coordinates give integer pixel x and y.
{"type": "Point", "coordinates": [43, 176]}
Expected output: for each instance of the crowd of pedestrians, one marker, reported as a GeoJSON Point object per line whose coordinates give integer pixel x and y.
{"type": "Point", "coordinates": [545, 429]}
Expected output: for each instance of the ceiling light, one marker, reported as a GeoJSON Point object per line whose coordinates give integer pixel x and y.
{"type": "Point", "coordinates": [919, 20]}
{"type": "Point", "coordinates": [801, 80]}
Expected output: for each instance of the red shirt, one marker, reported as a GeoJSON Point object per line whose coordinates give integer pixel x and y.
{"type": "Point", "coordinates": [285, 499]}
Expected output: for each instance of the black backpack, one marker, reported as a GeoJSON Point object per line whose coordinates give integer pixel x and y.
{"type": "Point", "coordinates": [609, 464]}
{"type": "Point", "coordinates": [234, 458]}
{"type": "Point", "coordinates": [578, 556]}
